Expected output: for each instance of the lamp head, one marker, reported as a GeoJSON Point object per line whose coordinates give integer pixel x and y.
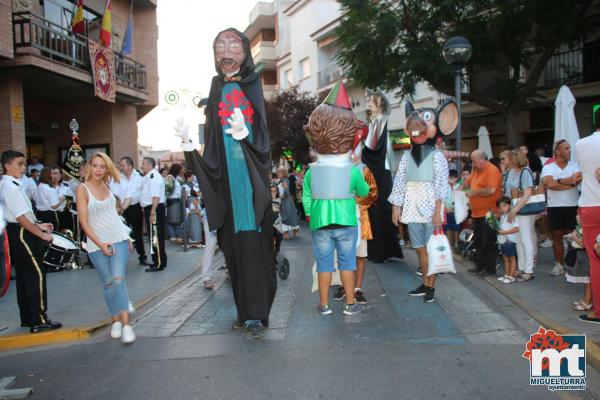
{"type": "Point", "coordinates": [457, 50]}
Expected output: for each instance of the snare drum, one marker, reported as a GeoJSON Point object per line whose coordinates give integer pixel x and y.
{"type": "Point", "coordinates": [60, 253]}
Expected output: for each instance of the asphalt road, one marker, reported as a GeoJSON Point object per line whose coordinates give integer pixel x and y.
{"type": "Point", "coordinates": [466, 345]}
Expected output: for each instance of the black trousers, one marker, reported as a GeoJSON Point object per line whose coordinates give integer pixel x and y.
{"type": "Point", "coordinates": [66, 220]}
{"type": "Point", "coordinates": [50, 217]}
{"type": "Point", "coordinates": [26, 252]}
{"type": "Point", "coordinates": [159, 256]}
{"type": "Point", "coordinates": [485, 245]}
{"type": "Point", "coordinates": [134, 215]}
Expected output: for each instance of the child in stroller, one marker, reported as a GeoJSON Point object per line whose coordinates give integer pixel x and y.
{"type": "Point", "coordinates": [282, 264]}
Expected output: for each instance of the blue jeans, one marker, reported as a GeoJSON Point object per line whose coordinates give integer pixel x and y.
{"type": "Point", "coordinates": [344, 240]}
{"type": "Point", "coordinates": [175, 231]}
{"type": "Point", "coordinates": [112, 271]}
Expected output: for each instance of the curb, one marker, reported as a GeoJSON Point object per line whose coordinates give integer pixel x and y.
{"type": "Point", "coordinates": [592, 349]}
{"type": "Point", "coordinates": [77, 333]}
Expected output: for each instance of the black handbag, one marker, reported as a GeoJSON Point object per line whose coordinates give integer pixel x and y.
{"type": "Point", "coordinates": [174, 212]}
{"type": "Point", "coordinates": [537, 201]}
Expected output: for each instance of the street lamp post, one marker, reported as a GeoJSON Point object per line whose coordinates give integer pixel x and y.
{"type": "Point", "coordinates": [457, 52]}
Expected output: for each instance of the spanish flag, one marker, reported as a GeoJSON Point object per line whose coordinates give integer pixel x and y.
{"type": "Point", "coordinates": [106, 28]}
{"type": "Point", "coordinates": [78, 23]}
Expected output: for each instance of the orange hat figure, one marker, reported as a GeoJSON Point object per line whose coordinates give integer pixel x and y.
{"type": "Point", "coordinates": [330, 187]}
{"type": "Point", "coordinates": [421, 183]}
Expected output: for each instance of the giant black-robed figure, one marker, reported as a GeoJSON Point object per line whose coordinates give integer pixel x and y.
{"type": "Point", "coordinates": [233, 174]}
{"type": "Point", "coordinates": [384, 244]}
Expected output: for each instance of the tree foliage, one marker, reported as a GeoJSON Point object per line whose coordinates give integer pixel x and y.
{"type": "Point", "coordinates": [394, 44]}
{"type": "Point", "coordinates": [287, 113]}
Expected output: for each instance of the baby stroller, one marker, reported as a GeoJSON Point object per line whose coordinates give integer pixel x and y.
{"type": "Point", "coordinates": [282, 264]}
{"type": "Point", "coordinates": [466, 245]}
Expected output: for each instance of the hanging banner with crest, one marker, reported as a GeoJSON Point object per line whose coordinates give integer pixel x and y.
{"type": "Point", "coordinates": [103, 71]}
{"type": "Point", "coordinates": [75, 157]}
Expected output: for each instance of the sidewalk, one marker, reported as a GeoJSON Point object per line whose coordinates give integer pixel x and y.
{"type": "Point", "coordinates": [75, 299]}
{"type": "Point", "coordinates": [547, 299]}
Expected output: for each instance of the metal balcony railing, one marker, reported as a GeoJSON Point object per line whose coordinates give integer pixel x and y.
{"type": "Point", "coordinates": [129, 72]}
{"type": "Point", "coordinates": [330, 74]}
{"type": "Point", "coordinates": [59, 44]}
{"type": "Point", "coordinates": [571, 67]}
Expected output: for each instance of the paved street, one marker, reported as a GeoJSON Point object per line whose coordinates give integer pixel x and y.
{"type": "Point", "coordinates": [468, 344]}
{"type": "Point", "coordinates": [74, 297]}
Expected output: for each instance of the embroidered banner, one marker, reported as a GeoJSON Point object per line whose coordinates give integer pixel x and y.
{"type": "Point", "coordinates": [74, 159]}
{"type": "Point", "coordinates": [103, 71]}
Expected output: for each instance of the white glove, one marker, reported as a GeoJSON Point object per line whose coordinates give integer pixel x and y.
{"type": "Point", "coordinates": [238, 127]}
{"type": "Point", "coordinates": [182, 130]}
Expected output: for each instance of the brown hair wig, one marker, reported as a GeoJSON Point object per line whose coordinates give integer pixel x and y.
{"type": "Point", "coordinates": [332, 129]}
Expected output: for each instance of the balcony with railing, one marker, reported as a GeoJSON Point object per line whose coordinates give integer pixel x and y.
{"type": "Point", "coordinates": [264, 51]}
{"type": "Point", "coordinates": [330, 74]}
{"type": "Point", "coordinates": [54, 42]}
{"type": "Point", "coordinates": [570, 67]}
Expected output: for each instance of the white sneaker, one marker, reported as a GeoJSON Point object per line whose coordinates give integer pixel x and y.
{"type": "Point", "coordinates": [131, 308]}
{"type": "Point", "coordinates": [557, 270]}
{"type": "Point", "coordinates": [402, 243]}
{"type": "Point", "coordinates": [128, 335]}
{"type": "Point", "coordinates": [116, 330]}
{"type": "Point", "coordinates": [546, 243]}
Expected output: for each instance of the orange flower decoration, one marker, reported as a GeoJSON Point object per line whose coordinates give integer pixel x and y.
{"type": "Point", "coordinates": [542, 340]}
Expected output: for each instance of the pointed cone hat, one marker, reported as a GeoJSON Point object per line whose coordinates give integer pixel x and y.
{"type": "Point", "coordinates": [338, 97]}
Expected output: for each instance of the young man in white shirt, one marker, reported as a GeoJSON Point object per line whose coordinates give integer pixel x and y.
{"type": "Point", "coordinates": [26, 238]}
{"type": "Point", "coordinates": [561, 178]}
{"type": "Point", "coordinates": [152, 200]}
{"type": "Point", "coordinates": [132, 182]}
{"type": "Point", "coordinates": [588, 150]}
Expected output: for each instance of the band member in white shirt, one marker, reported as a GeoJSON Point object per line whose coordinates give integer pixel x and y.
{"type": "Point", "coordinates": [26, 238]}
{"type": "Point", "coordinates": [152, 200]}
{"type": "Point", "coordinates": [29, 185]}
{"type": "Point", "coordinates": [132, 182]}
{"type": "Point", "coordinates": [35, 164]}
{"type": "Point", "coordinates": [65, 217]}
{"type": "Point", "coordinates": [47, 199]}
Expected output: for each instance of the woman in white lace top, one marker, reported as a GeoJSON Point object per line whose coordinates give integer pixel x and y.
{"type": "Point", "coordinates": [108, 243]}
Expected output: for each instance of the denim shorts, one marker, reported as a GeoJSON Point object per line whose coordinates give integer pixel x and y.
{"type": "Point", "coordinates": [419, 234]}
{"type": "Point", "coordinates": [508, 249]}
{"type": "Point", "coordinates": [342, 240]}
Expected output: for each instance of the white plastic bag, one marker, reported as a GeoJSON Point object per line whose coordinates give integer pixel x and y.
{"type": "Point", "coordinates": [336, 279]}
{"type": "Point", "coordinates": [439, 255]}
{"type": "Point", "coordinates": [461, 206]}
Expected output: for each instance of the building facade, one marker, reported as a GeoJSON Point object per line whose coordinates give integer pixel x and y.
{"type": "Point", "coordinates": [305, 55]}
{"type": "Point", "coordinates": [46, 78]}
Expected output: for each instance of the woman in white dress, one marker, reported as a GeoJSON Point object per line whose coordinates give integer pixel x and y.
{"type": "Point", "coordinates": [194, 220]}
{"type": "Point", "coordinates": [108, 243]}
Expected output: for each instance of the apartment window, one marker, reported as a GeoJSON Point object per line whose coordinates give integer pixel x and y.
{"type": "Point", "coordinates": [289, 77]}
{"type": "Point", "coordinates": [60, 12]}
{"type": "Point", "coordinates": [305, 68]}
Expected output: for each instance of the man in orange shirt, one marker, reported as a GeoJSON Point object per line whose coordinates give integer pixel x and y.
{"type": "Point", "coordinates": [484, 183]}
